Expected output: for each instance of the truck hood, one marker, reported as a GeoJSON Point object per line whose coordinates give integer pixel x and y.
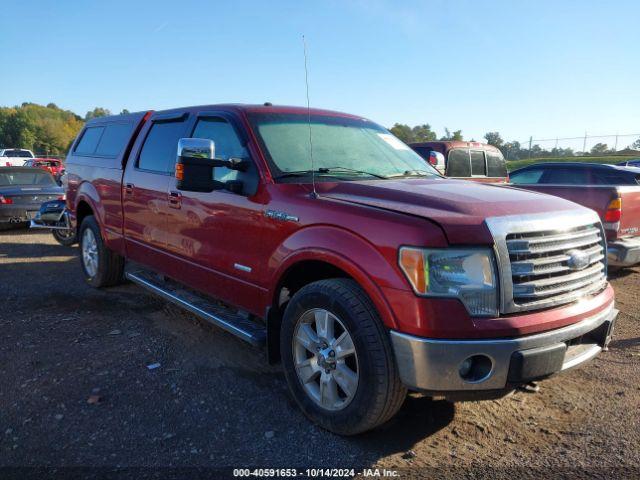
{"type": "Point", "coordinates": [460, 207]}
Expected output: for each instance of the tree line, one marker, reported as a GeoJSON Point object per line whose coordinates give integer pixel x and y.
{"type": "Point", "coordinates": [46, 130]}
{"type": "Point", "coordinates": [511, 150]}
{"type": "Point", "coordinates": [50, 130]}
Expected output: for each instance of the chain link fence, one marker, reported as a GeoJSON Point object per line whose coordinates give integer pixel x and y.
{"type": "Point", "coordinates": [583, 146]}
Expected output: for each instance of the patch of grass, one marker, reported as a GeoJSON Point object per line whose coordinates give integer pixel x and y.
{"type": "Point", "coordinates": [613, 159]}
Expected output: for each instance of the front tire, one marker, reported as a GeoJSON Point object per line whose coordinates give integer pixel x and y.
{"type": "Point", "coordinates": [101, 266]}
{"type": "Point", "coordinates": [337, 358]}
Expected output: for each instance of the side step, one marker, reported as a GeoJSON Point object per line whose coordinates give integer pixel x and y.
{"type": "Point", "coordinates": [227, 319]}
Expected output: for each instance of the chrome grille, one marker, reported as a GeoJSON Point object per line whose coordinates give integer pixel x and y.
{"type": "Point", "coordinates": [543, 270]}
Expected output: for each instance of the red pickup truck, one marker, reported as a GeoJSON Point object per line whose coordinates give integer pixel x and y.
{"type": "Point", "coordinates": [612, 191]}
{"type": "Point", "coordinates": [325, 239]}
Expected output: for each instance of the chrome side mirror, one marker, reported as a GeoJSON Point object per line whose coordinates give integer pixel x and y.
{"type": "Point", "coordinates": [196, 148]}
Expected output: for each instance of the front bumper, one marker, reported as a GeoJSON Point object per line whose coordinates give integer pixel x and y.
{"type": "Point", "coordinates": [624, 252]}
{"type": "Point", "coordinates": [434, 365]}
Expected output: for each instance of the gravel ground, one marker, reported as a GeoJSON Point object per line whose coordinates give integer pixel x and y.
{"type": "Point", "coordinates": [76, 391]}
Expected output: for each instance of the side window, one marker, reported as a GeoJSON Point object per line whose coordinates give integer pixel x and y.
{"type": "Point", "coordinates": [227, 144]}
{"type": "Point", "coordinates": [612, 178]}
{"type": "Point", "coordinates": [89, 141]}
{"type": "Point", "coordinates": [114, 139]}
{"type": "Point", "coordinates": [567, 176]}
{"type": "Point", "coordinates": [526, 177]}
{"type": "Point", "coordinates": [458, 164]}
{"type": "Point", "coordinates": [478, 165]}
{"type": "Point", "coordinates": [496, 165]}
{"type": "Point", "coordinates": [160, 148]}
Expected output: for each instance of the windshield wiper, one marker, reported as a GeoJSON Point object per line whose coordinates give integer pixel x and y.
{"type": "Point", "coordinates": [327, 171]}
{"type": "Point", "coordinates": [414, 173]}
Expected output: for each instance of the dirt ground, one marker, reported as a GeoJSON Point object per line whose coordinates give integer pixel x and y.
{"type": "Point", "coordinates": [76, 391]}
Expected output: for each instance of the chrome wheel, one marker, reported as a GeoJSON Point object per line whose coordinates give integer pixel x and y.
{"type": "Point", "coordinates": [90, 252]}
{"type": "Point", "coordinates": [325, 359]}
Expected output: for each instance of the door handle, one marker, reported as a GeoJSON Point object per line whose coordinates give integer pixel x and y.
{"type": "Point", "coordinates": [175, 199]}
{"type": "Point", "coordinates": [128, 189]}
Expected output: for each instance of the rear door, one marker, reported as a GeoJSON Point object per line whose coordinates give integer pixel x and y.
{"type": "Point", "coordinates": [144, 189]}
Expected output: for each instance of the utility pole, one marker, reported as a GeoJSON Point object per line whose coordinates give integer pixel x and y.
{"type": "Point", "coordinates": [584, 144]}
{"type": "Point", "coordinates": [615, 147]}
{"type": "Point", "coordinates": [530, 142]}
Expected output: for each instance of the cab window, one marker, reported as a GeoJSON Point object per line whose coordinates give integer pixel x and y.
{"type": "Point", "coordinates": [478, 165]}
{"type": "Point", "coordinates": [458, 163]}
{"type": "Point", "coordinates": [496, 164]}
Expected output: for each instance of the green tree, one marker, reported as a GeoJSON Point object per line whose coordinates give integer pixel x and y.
{"type": "Point", "coordinates": [599, 149]}
{"type": "Point", "coordinates": [452, 136]}
{"type": "Point", "coordinates": [124, 112]}
{"type": "Point", "coordinates": [403, 132]}
{"type": "Point", "coordinates": [97, 112]}
{"type": "Point", "coordinates": [423, 133]}
{"type": "Point", "coordinates": [636, 145]}
{"type": "Point", "coordinates": [494, 138]}
{"type": "Point", "coordinates": [45, 130]}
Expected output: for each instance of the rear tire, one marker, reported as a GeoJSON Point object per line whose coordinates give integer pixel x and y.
{"type": "Point", "coordinates": [101, 266]}
{"type": "Point", "coordinates": [317, 365]}
{"type": "Point", "coordinates": [63, 238]}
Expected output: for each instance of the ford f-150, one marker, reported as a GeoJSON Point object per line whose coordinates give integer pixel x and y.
{"type": "Point", "coordinates": [326, 240]}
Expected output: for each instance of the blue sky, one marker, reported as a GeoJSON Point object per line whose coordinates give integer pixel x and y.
{"type": "Point", "coordinates": [543, 68]}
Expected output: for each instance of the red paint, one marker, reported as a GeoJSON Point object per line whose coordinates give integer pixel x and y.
{"type": "Point", "coordinates": [356, 226]}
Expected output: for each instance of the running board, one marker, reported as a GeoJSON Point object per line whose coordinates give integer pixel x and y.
{"type": "Point", "coordinates": [227, 319]}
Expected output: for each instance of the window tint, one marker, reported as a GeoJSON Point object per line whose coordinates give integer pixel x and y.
{"type": "Point", "coordinates": [526, 177]}
{"type": "Point", "coordinates": [478, 166]}
{"type": "Point", "coordinates": [114, 139]}
{"type": "Point", "coordinates": [613, 177]}
{"type": "Point", "coordinates": [36, 177]}
{"type": "Point", "coordinates": [496, 165]}
{"type": "Point", "coordinates": [567, 176]}
{"type": "Point", "coordinates": [227, 144]}
{"type": "Point", "coordinates": [423, 151]}
{"type": "Point", "coordinates": [458, 164]}
{"type": "Point", "coordinates": [89, 140]}
{"type": "Point", "coordinates": [161, 146]}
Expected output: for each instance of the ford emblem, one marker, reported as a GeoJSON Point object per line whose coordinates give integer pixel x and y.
{"type": "Point", "coordinates": [578, 259]}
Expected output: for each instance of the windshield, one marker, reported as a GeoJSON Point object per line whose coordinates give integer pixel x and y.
{"type": "Point", "coordinates": [343, 148]}
{"type": "Point", "coordinates": [37, 177]}
{"type": "Point", "coordinates": [17, 153]}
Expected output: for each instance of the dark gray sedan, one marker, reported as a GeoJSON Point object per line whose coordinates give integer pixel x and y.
{"type": "Point", "coordinates": [22, 191]}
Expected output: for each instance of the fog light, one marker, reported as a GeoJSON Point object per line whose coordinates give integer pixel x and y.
{"type": "Point", "coordinates": [476, 368]}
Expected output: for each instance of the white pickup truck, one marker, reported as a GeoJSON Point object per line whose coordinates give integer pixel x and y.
{"type": "Point", "coordinates": [14, 157]}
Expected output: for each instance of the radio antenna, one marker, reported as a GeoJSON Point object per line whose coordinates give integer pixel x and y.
{"type": "Point", "coordinates": [314, 194]}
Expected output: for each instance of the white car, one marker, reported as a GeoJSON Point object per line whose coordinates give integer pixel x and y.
{"type": "Point", "coordinates": [14, 157]}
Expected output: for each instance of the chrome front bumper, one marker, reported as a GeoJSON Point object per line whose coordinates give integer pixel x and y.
{"type": "Point", "coordinates": [434, 365]}
{"type": "Point", "coordinates": [624, 252]}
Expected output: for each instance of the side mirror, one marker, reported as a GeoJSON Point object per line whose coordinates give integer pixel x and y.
{"type": "Point", "coordinates": [195, 166]}
{"type": "Point", "coordinates": [436, 160]}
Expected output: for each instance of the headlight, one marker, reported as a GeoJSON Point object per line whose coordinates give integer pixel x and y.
{"type": "Point", "coordinates": [466, 273]}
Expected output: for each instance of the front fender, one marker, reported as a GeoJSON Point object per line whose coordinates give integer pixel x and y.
{"type": "Point", "coordinates": [346, 251]}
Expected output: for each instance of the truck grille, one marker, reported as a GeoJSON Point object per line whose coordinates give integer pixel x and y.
{"type": "Point", "coordinates": [555, 267]}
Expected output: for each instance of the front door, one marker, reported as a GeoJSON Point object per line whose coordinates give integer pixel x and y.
{"type": "Point", "coordinates": [219, 236]}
